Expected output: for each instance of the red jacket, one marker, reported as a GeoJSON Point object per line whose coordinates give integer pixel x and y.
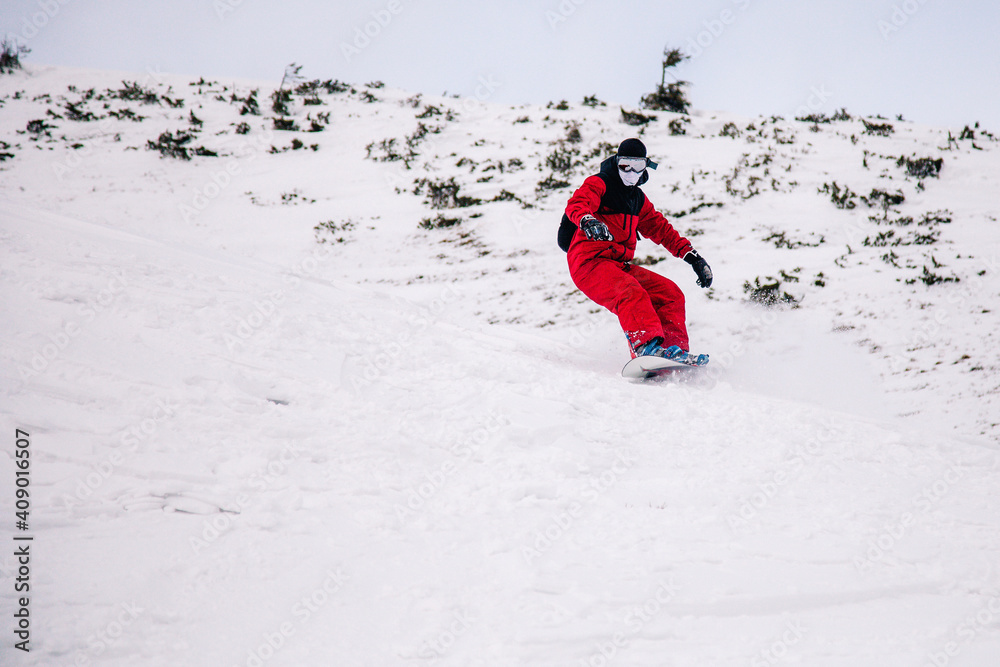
{"type": "Point", "coordinates": [626, 211]}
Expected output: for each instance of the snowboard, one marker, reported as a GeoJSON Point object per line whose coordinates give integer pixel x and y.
{"type": "Point", "coordinates": [642, 368]}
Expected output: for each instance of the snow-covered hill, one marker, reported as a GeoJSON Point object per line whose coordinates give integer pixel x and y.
{"type": "Point", "coordinates": [329, 396]}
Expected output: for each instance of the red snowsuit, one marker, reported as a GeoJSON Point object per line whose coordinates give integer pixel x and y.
{"type": "Point", "coordinates": [646, 303]}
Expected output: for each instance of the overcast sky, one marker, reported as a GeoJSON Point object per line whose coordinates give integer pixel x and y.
{"type": "Point", "coordinates": [933, 61]}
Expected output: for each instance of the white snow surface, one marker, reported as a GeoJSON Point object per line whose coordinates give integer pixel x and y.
{"type": "Point", "coordinates": [258, 439]}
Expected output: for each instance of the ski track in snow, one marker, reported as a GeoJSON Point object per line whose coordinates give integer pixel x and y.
{"type": "Point", "coordinates": [413, 447]}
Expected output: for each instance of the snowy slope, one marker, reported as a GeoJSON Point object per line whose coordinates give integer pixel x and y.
{"type": "Point", "coordinates": [277, 422]}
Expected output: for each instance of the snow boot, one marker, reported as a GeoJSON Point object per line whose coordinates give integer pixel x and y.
{"type": "Point", "coordinates": [655, 348]}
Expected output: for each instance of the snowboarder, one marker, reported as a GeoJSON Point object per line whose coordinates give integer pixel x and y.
{"type": "Point", "coordinates": [600, 226]}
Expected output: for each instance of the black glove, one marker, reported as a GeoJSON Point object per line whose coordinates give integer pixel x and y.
{"type": "Point", "coordinates": [595, 229]}
{"type": "Point", "coordinates": [700, 267]}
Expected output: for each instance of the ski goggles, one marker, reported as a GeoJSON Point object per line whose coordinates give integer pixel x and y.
{"type": "Point", "coordinates": [636, 164]}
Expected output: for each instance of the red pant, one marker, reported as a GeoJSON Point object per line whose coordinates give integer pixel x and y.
{"type": "Point", "coordinates": [646, 303]}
